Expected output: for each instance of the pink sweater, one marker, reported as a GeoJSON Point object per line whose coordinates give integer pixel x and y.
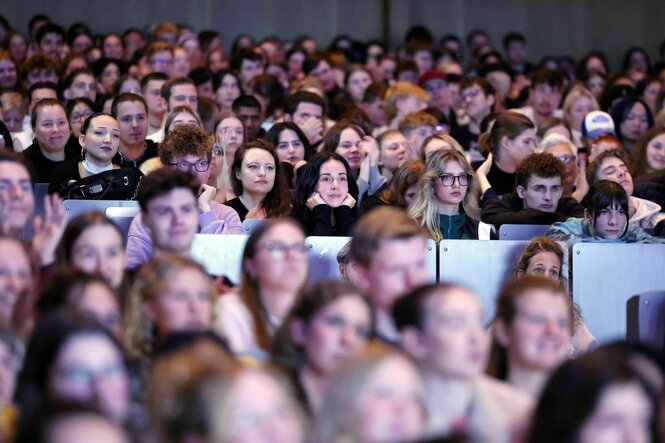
{"type": "Point", "coordinates": [221, 219]}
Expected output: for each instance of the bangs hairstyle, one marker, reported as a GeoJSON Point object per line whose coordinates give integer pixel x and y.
{"type": "Point", "coordinates": [277, 202]}
{"type": "Point", "coordinates": [605, 194]}
{"type": "Point", "coordinates": [425, 209]}
{"type": "Point", "coordinates": [623, 107]}
{"type": "Point", "coordinates": [468, 82]}
{"type": "Point", "coordinates": [71, 104]}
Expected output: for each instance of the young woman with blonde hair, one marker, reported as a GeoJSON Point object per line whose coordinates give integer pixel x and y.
{"type": "Point", "coordinates": [577, 104]}
{"type": "Point", "coordinates": [378, 396]}
{"type": "Point", "coordinates": [170, 294]}
{"type": "Point", "coordinates": [447, 201]}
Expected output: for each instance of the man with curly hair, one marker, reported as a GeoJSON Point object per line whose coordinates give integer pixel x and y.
{"type": "Point", "coordinates": [537, 196]}
{"type": "Point", "coordinates": [187, 149]}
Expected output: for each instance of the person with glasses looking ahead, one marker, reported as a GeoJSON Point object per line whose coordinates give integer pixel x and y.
{"type": "Point", "coordinates": [273, 275]}
{"type": "Point", "coordinates": [446, 204]}
{"type": "Point", "coordinates": [478, 97]}
{"type": "Point", "coordinates": [174, 208]}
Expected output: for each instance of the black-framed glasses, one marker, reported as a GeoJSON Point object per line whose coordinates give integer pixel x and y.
{"type": "Point", "coordinates": [449, 179]}
{"type": "Point", "coordinates": [200, 166]}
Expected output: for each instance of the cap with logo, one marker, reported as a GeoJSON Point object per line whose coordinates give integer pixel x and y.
{"type": "Point", "coordinates": [596, 124]}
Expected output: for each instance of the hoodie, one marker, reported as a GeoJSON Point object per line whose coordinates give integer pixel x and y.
{"type": "Point", "coordinates": [644, 213]}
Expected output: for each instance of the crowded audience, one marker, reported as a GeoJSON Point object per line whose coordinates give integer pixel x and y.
{"type": "Point", "coordinates": [117, 329]}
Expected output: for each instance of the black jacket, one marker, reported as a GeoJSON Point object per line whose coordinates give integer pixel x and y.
{"type": "Point", "coordinates": [43, 166]}
{"type": "Point", "coordinates": [510, 210]}
{"type": "Point", "coordinates": [502, 182]}
{"type": "Point", "coordinates": [319, 221]}
{"type": "Point", "coordinates": [651, 187]}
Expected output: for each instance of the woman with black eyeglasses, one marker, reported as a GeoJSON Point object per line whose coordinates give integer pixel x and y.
{"type": "Point", "coordinates": [447, 203]}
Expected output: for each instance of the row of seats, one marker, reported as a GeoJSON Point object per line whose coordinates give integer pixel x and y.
{"type": "Point", "coordinates": [604, 276]}
{"type": "Point", "coordinates": [117, 209]}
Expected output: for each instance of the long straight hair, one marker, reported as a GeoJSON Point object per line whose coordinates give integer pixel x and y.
{"type": "Point", "coordinates": [249, 290]}
{"type": "Point", "coordinates": [277, 202]}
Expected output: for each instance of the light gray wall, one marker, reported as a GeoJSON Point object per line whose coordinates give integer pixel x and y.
{"type": "Point", "coordinates": [552, 26]}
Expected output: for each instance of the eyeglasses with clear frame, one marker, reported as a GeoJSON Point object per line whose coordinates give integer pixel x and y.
{"type": "Point", "coordinates": [279, 249]}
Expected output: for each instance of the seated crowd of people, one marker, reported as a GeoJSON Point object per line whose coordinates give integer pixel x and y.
{"type": "Point", "coordinates": [117, 336]}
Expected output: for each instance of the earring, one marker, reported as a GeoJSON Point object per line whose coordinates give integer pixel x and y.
{"type": "Point", "coordinates": [83, 154]}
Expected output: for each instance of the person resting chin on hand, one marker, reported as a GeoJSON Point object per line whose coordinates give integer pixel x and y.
{"type": "Point", "coordinates": [326, 196]}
